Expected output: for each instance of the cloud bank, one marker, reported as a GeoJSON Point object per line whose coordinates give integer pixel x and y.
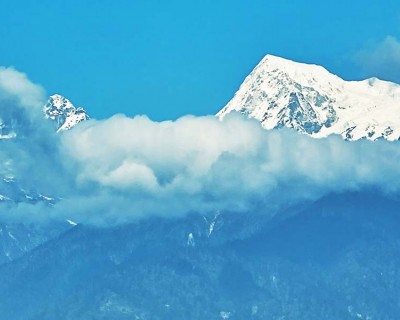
{"type": "Point", "coordinates": [134, 167]}
{"type": "Point", "coordinates": [381, 59]}
{"type": "Point", "coordinates": [122, 169]}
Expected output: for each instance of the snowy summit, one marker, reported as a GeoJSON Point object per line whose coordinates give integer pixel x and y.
{"type": "Point", "coordinates": [310, 99]}
{"type": "Point", "coordinates": [63, 112]}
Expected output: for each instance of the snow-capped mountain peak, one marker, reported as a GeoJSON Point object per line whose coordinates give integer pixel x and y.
{"type": "Point", "coordinates": [310, 99]}
{"type": "Point", "coordinates": [65, 116]}
{"type": "Point", "coordinates": [63, 112]}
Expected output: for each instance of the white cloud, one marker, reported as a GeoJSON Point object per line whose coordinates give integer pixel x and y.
{"type": "Point", "coordinates": [15, 85]}
{"type": "Point", "coordinates": [139, 167]}
{"type": "Point", "coordinates": [130, 175]}
{"type": "Point", "coordinates": [381, 60]}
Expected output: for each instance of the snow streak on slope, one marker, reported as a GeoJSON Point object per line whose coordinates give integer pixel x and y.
{"type": "Point", "coordinates": [63, 112]}
{"type": "Point", "coordinates": [308, 98]}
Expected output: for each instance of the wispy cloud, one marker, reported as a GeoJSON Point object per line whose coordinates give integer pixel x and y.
{"type": "Point", "coordinates": [381, 59]}
{"type": "Point", "coordinates": [15, 85]}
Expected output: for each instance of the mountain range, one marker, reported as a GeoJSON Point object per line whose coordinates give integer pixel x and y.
{"type": "Point", "coordinates": [283, 93]}
{"type": "Point", "coordinates": [334, 258]}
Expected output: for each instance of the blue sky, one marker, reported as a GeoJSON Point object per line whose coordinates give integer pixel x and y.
{"type": "Point", "coordinates": [170, 58]}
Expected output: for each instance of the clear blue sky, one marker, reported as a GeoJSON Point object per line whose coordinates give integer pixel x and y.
{"type": "Point", "coordinates": [169, 58]}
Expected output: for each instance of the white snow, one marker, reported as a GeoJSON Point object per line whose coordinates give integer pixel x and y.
{"type": "Point", "coordinates": [11, 236]}
{"type": "Point", "coordinates": [190, 240]}
{"type": "Point", "coordinates": [10, 135]}
{"type": "Point", "coordinates": [72, 223]}
{"type": "Point", "coordinates": [4, 198]}
{"type": "Point", "coordinates": [211, 224]}
{"type": "Point", "coordinates": [8, 179]}
{"type": "Point", "coordinates": [45, 197]}
{"type": "Point", "coordinates": [310, 99]}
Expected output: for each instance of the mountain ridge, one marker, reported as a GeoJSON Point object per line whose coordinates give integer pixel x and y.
{"type": "Point", "coordinates": [310, 99]}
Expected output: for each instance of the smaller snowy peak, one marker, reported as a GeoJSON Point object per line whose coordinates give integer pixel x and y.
{"type": "Point", "coordinates": [311, 100]}
{"type": "Point", "coordinates": [63, 112]}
